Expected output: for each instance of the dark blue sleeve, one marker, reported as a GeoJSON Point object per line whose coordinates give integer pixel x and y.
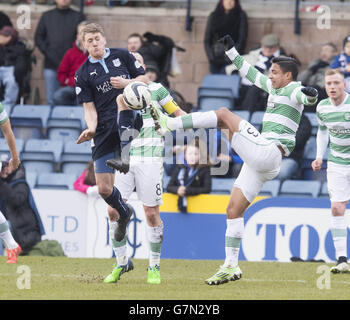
{"type": "Point", "coordinates": [82, 88]}
{"type": "Point", "coordinates": [134, 67]}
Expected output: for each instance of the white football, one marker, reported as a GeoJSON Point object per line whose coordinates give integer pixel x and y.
{"type": "Point", "coordinates": [137, 96]}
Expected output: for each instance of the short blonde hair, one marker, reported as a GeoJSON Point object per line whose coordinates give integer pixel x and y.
{"type": "Point", "coordinates": [92, 28]}
{"type": "Point", "coordinates": [331, 72]}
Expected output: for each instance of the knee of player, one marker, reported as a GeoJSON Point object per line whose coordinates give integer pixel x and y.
{"type": "Point", "coordinates": [338, 209]}
{"type": "Point", "coordinates": [151, 213]}
{"type": "Point", "coordinates": [112, 214]}
{"type": "Point", "coordinates": [105, 191]}
{"type": "Point", "coordinates": [121, 104]}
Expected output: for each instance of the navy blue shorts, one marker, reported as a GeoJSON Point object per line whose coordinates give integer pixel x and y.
{"type": "Point", "coordinates": [106, 145]}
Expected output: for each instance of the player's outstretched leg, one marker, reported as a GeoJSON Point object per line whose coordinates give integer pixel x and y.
{"type": "Point", "coordinates": [12, 247]}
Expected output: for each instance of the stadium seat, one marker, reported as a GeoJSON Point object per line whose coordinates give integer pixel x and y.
{"type": "Point", "coordinates": [270, 188]}
{"type": "Point", "coordinates": [256, 119]}
{"type": "Point", "coordinates": [300, 188]}
{"type": "Point", "coordinates": [221, 81]}
{"type": "Point", "coordinates": [56, 181]}
{"type": "Point", "coordinates": [215, 103]}
{"type": "Point", "coordinates": [65, 123]}
{"type": "Point", "coordinates": [29, 121]}
{"type": "Point", "coordinates": [41, 155]}
{"type": "Point", "coordinates": [221, 185]}
{"type": "Point", "coordinates": [31, 178]}
{"type": "Point", "coordinates": [313, 120]}
{"type": "Point", "coordinates": [4, 148]}
{"type": "Point", "coordinates": [324, 191]}
{"type": "Point", "coordinates": [75, 157]}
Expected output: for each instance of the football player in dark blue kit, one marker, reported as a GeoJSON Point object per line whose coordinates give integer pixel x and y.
{"type": "Point", "coordinates": [98, 83]}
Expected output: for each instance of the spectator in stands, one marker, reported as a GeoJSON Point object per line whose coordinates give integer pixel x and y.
{"type": "Point", "coordinates": [253, 98]}
{"type": "Point", "coordinates": [314, 74]}
{"type": "Point", "coordinates": [54, 35]}
{"type": "Point", "coordinates": [227, 18]}
{"type": "Point", "coordinates": [4, 20]}
{"type": "Point", "coordinates": [291, 165]}
{"type": "Point", "coordinates": [86, 182]}
{"type": "Point", "coordinates": [19, 207]}
{"type": "Point", "coordinates": [134, 42]}
{"type": "Point", "coordinates": [342, 61]}
{"type": "Point", "coordinates": [12, 64]}
{"type": "Point", "coordinates": [193, 176]}
{"type": "Point", "coordinates": [70, 63]}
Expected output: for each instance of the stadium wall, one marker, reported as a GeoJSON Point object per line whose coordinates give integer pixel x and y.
{"type": "Point", "coordinates": [264, 17]}
{"type": "Point", "coordinates": [276, 229]}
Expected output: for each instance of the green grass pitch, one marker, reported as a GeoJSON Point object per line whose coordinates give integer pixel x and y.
{"type": "Point", "coordinates": [72, 278]}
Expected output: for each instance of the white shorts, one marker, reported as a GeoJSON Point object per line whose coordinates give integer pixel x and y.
{"type": "Point", "coordinates": [338, 177]}
{"type": "Point", "coordinates": [262, 159]}
{"type": "Point", "coordinates": [147, 178]}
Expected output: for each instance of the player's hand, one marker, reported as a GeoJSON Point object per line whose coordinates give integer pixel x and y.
{"type": "Point", "coordinates": [316, 164]}
{"type": "Point", "coordinates": [86, 135]}
{"type": "Point", "coordinates": [119, 82]}
{"type": "Point", "coordinates": [181, 191]}
{"type": "Point", "coordinates": [309, 91]}
{"type": "Point", "coordinates": [227, 42]}
{"type": "Point", "coordinates": [14, 164]}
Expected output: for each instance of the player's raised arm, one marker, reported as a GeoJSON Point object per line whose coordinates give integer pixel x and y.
{"type": "Point", "coordinates": [90, 115]}
{"type": "Point", "coordinates": [245, 69]}
{"type": "Point", "coordinates": [305, 95]}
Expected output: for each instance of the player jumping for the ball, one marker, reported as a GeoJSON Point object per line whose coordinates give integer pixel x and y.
{"type": "Point", "coordinates": [261, 153]}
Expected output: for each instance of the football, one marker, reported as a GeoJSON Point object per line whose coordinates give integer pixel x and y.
{"type": "Point", "coordinates": [137, 96]}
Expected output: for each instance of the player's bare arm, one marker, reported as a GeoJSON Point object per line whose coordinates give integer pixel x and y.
{"type": "Point", "coordinates": [121, 83]}
{"type": "Point", "coordinates": [91, 122]}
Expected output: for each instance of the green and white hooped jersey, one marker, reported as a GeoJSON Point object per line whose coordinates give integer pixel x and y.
{"type": "Point", "coordinates": [336, 119]}
{"type": "Point", "coordinates": [284, 106]}
{"type": "Point", "coordinates": [149, 145]}
{"type": "Point", "coordinates": [3, 114]}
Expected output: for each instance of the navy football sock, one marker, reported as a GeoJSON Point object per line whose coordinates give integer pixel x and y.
{"type": "Point", "coordinates": [126, 128]}
{"type": "Point", "coordinates": [116, 201]}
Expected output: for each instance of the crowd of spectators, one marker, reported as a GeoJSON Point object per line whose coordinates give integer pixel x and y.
{"type": "Point", "coordinates": [57, 36]}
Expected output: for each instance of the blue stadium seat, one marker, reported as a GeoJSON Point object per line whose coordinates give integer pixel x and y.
{"type": "Point", "coordinates": [29, 121]}
{"type": "Point", "coordinates": [324, 191]}
{"type": "Point", "coordinates": [222, 81]}
{"type": "Point", "coordinates": [256, 119]}
{"type": "Point", "coordinates": [222, 185]}
{"type": "Point", "coordinates": [270, 188]}
{"type": "Point", "coordinates": [313, 120]}
{"type": "Point", "coordinates": [56, 181]}
{"type": "Point", "coordinates": [4, 148]}
{"type": "Point", "coordinates": [300, 188]}
{"type": "Point", "coordinates": [41, 155]}
{"type": "Point", "coordinates": [75, 157]}
{"type": "Point", "coordinates": [215, 103]}
{"type": "Point", "coordinates": [31, 178]}
{"type": "Point", "coordinates": [244, 114]}
{"type": "Point", "coordinates": [65, 123]}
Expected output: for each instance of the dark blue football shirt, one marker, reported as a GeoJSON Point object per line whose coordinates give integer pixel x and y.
{"type": "Point", "coordinates": [92, 80]}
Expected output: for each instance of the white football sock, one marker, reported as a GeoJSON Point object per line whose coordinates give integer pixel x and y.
{"type": "Point", "coordinates": [119, 247]}
{"type": "Point", "coordinates": [195, 120]}
{"type": "Point", "coordinates": [155, 239]}
{"type": "Point", "coordinates": [339, 234]}
{"type": "Point", "coordinates": [5, 234]}
{"type": "Point", "coordinates": [233, 237]}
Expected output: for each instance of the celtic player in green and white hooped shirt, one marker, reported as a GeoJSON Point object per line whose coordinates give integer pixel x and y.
{"type": "Point", "coordinates": [146, 174]}
{"type": "Point", "coordinates": [333, 115]}
{"type": "Point", "coordinates": [261, 153]}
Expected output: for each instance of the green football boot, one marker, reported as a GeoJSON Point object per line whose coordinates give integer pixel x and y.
{"type": "Point", "coordinates": [154, 275]}
{"type": "Point", "coordinates": [224, 275]}
{"type": "Point", "coordinates": [160, 119]}
{"type": "Point", "coordinates": [117, 271]}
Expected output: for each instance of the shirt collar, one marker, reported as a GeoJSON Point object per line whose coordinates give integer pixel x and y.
{"type": "Point", "coordinates": [108, 52]}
